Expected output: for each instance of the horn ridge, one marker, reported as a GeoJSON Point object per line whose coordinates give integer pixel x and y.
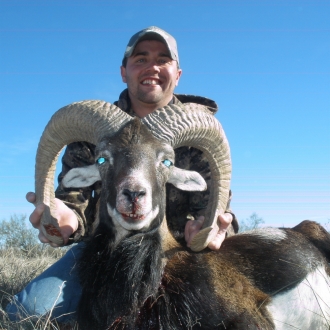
{"type": "Point", "coordinates": [80, 121]}
{"type": "Point", "coordinates": [194, 126]}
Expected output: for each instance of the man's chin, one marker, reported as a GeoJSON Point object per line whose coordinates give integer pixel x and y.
{"type": "Point", "coordinates": [151, 98]}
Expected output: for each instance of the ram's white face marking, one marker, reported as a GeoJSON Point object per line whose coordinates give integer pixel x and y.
{"type": "Point", "coordinates": [135, 181]}
{"type": "Point", "coordinates": [134, 225]}
{"type": "Point", "coordinates": [304, 303]}
{"type": "Point", "coordinates": [120, 231]}
{"type": "Point", "coordinates": [133, 209]}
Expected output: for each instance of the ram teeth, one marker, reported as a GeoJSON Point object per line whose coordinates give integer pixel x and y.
{"type": "Point", "coordinates": [131, 215]}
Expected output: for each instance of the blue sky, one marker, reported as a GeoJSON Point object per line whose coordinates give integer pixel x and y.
{"type": "Point", "coordinates": [266, 64]}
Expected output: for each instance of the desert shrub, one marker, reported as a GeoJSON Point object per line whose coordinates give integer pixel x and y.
{"type": "Point", "coordinates": [16, 233]}
{"type": "Point", "coordinates": [17, 270]}
{"type": "Point", "coordinates": [253, 222]}
{"type": "Point", "coordinates": [22, 258]}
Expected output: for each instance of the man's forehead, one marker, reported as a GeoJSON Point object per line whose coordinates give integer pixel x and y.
{"type": "Point", "coordinates": [152, 33]}
{"type": "Point", "coordinates": [148, 46]}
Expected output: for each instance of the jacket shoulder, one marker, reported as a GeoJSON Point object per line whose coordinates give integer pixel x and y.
{"type": "Point", "coordinates": [210, 104]}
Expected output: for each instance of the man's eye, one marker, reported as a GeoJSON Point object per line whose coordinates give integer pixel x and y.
{"type": "Point", "coordinates": [167, 162]}
{"type": "Point", "coordinates": [101, 160]}
{"type": "Point", "coordinates": [163, 61]}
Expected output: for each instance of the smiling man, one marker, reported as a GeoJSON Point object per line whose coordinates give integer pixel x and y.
{"type": "Point", "coordinates": [151, 76]}
{"type": "Point", "coordinates": [151, 70]}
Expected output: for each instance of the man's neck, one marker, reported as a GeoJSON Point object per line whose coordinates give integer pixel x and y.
{"type": "Point", "coordinates": [143, 109]}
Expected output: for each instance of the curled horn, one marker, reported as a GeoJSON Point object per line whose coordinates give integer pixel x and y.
{"type": "Point", "coordinates": [192, 125]}
{"type": "Point", "coordinates": [88, 121]}
{"type": "Point", "coordinates": [82, 121]}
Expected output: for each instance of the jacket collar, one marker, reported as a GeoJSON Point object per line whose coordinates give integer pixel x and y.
{"type": "Point", "coordinates": [124, 102]}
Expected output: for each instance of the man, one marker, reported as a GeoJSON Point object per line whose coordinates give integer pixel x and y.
{"type": "Point", "coordinates": [151, 71]}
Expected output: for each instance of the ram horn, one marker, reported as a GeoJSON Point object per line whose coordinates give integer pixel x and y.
{"type": "Point", "coordinates": [192, 125]}
{"type": "Point", "coordinates": [82, 121]}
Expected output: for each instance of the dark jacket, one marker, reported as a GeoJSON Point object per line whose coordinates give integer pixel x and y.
{"type": "Point", "coordinates": [180, 205]}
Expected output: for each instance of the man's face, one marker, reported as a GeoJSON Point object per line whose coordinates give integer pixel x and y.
{"type": "Point", "coordinates": [151, 75]}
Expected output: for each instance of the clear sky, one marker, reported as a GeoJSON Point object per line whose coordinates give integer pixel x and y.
{"type": "Point", "coordinates": [266, 63]}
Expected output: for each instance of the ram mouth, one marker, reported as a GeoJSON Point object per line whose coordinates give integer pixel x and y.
{"type": "Point", "coordinates": [128, 223]}
{"type": "Point", "coordinates": [131, 216]}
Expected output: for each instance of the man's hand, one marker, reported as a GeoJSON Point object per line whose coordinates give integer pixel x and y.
{"type": "Point", "coordinates": [194, 226]}
{"type": "Point", "coordinates": [66, 218]}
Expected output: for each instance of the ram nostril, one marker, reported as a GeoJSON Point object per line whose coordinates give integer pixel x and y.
{"type": "Point", "coordinates": [141, 193]}
{"type": "Point", "coordinates": [133, 195]}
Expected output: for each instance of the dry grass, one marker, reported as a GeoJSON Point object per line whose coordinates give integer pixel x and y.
{"type": "Point", "coordinates": [18, 268]}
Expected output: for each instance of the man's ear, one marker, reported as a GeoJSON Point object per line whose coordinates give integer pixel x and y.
{"type": "Point", "coordinates": [80, 177]}
{"type": "Point", "coordinates": [179, 73]}
{"type": "Point", "coordinates": [123, 74]}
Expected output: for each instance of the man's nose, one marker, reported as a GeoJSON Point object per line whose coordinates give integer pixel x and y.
{"type": "Point", "coordinates": [154, 66]}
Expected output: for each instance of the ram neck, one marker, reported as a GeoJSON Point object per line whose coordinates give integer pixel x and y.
{"type": "Point", "coordinates": [169, 245]}
{"type": "Point", "coordinates": [122, 276]}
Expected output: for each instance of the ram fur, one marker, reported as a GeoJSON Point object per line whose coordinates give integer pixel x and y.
{"type": "Point", "coordinates": [135, 276]}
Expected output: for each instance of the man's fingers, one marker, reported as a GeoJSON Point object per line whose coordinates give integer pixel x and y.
{"type": "Point", "coordinates": [31, 197]}
{"type": "Point", "coordinates": [192, 228]}
{"type": "Point", "coordinates": [66, 232]}
{"type": "Point", "coordinates": [217, 241]}
{"type": "Point", "coordinates": [35, 219]}
{"type": "Point", "coordinates": [43, 238]}
{"type": "Point", "coordinates": [66, 219]}
{"type": "Point", "coordinates": [224, 221]}
{"type": "Point", "coordinates": [35, 216]}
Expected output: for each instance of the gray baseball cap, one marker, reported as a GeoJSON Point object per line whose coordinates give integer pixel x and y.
{"type": "Point", "coordinates": [153, 33]}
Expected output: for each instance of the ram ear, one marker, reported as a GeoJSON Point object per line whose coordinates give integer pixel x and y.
{"type": "Point", "coordinates": [80, 177]}
{"type": "Point", "coordinates": [187, 180]}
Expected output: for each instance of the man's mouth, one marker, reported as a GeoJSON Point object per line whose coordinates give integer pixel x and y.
{"type": "Point", "coordinates": [150, 82]}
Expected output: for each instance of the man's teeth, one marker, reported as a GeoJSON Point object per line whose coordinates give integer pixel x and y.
{"type": "Point", "coordinates": [149, 82]}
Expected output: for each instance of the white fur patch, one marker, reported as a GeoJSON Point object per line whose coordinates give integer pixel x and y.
{"type": "Point", "coordinates": [121, 232]}
{"type": "Point", "coordinates": [307, 306]}
{"type": "Point", "coordinates": [136, 181]}
{"type": "Point", "coordinates": [138, 225]}
{"type": "Point", "coordinates": [273, 234]}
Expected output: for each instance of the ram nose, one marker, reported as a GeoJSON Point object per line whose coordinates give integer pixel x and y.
{"type": "Point", "coordinates": [133, 196]}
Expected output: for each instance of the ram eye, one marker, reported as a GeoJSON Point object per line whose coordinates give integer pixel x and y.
{"type": "Point", "coordinates": [101, 160]}
{"type": "Point", "coordinates": [167, 163]}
